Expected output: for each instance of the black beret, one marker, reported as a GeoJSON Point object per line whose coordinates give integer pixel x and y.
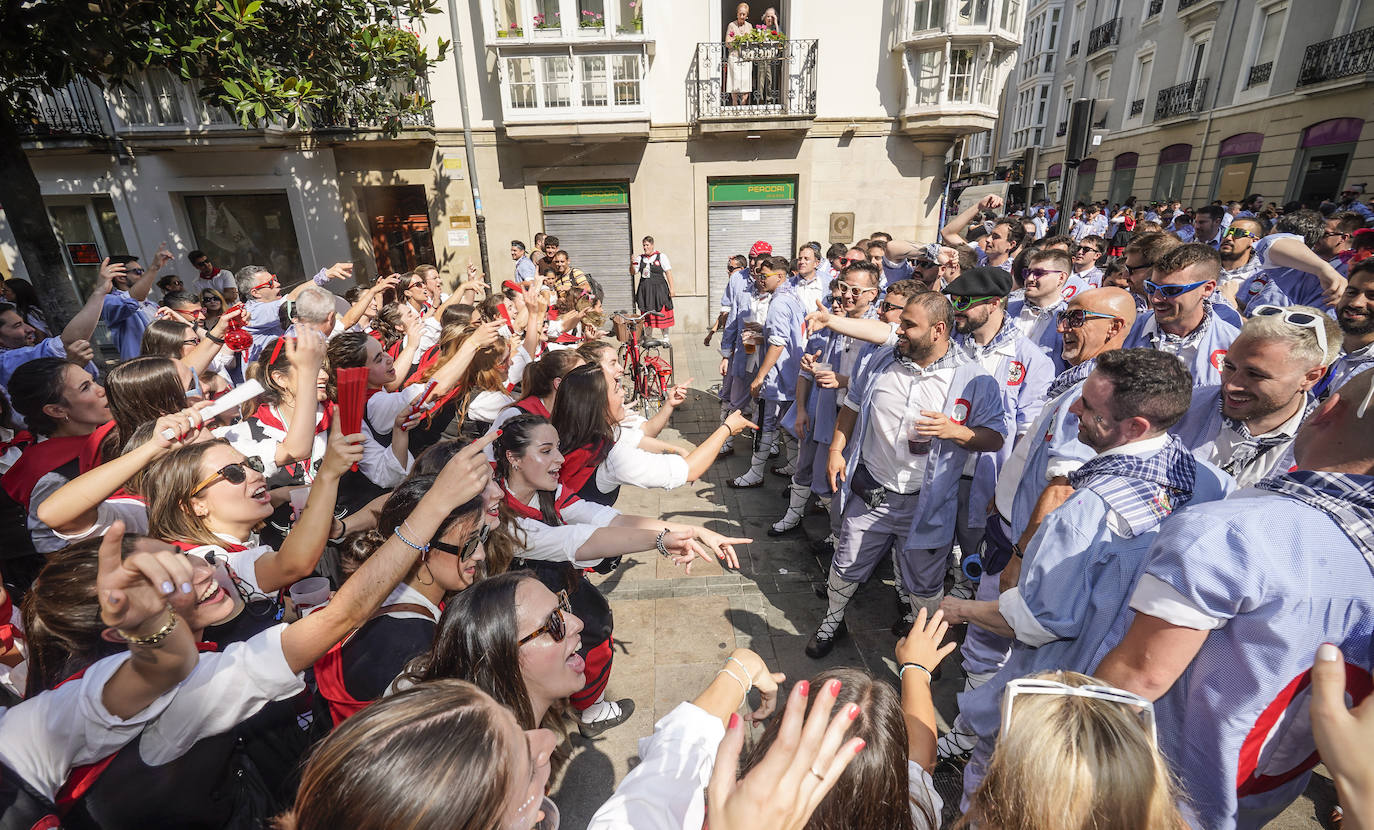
{"type": "Point", "coordinates": [985, 281]}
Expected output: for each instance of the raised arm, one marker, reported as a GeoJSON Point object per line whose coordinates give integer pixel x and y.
{"type": "Point", "coordinates": [918, 655]}
{"type": "Point", "coordinates": [952, 233]}
{"type": "Point", "coordinates": [139, 288]}
{"type": "Point", "coordinates": [205, 352]}
{"type": "Point", "coordinates": [305, 353]}
{"type": "Point", "coordinates": [82, 326]}
{"type": "Point", "coordinates": [1292, 253]}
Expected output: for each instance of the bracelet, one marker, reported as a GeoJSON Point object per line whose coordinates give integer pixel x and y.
{"type": "Point", "coordinates": [742, 666]}
{"type": "Point", "coordinates": [745, 686]}
{"type": "Point", "coordinates": [157, 636]}
{"type": "Point", "coordinates": [213, 339]}
{"type": "Point", "coordinates": [399, 535]}
{"type": "Point", "coordinates": [658, 543]}
{"type": "Point", "coordinates": [902, 671]}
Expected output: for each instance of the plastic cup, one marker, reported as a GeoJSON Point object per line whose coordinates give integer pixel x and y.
{"type": "Point", "coordinates": [822, 367]}
{"type": "Point", "coordinates": [916, 443]}
{"type": "Point", "coordinates": [299, 496]}
{"type": "Point", "coordinates": [551, 815]}
{"type": "Point", "coordinates": [309, 594]}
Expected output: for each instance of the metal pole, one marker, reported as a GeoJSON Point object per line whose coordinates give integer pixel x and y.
{"type": "Point", "coordinates": [467, 138]}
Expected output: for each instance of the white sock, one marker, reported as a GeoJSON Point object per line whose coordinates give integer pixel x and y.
{"type": "Point", "coordinates": [603, 709]}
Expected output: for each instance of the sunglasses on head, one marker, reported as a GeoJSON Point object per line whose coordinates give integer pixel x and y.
{"type": "Point", "coordinates": [1301, 319]}
{"type": "Point", "coordinates": [1143, 709]}
{"type": "Point", "coordinates": [556, 626]}
{"type": "Point", "coordinates": [236, 473]}
{"type": "Point", "coordinates": [1152, 288]}
{"type": "Point", "coordinates": [465, 551]}
{"type": "Point", "coordinates": [965, 303]}
{"type": "Point", "coordinates": [1075, 318]}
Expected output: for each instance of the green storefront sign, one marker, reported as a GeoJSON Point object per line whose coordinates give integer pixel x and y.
{"type": "Point", "coordinates": [584, 194]}
{"type": "Point", "coordinates": [751, 190]}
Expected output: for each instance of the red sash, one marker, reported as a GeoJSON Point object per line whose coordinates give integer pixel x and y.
{"type": "Point", "coordinates": [562, 499]}
{"type": "Point", "coordinates": [429, 359]}
{"type": "Point", "coordinates": [268, 415]}
{"type": "Point", "coordinates": [579, 465]}
{"type": "Point", "coordinates": [533, 405]}
{"type": "Point", "coordinates": [42, 458]}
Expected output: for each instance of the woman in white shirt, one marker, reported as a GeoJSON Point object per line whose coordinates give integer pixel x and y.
{"type": "Point", "coordinates": [563, 535]}
{"type": "Point", "coordinates": [600, 455]}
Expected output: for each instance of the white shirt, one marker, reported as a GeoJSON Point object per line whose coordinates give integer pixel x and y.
{"type": "Point", "coordinates": [897, 398]}
{"type": "Point", "coordinates": [643, 261]}
{"type": "Point", "coordinates": [1223, 447]}
{"type": "Point", "coordinates": [628, 464]}
{"type": "Point", "coordinates": [131, 511]}
{"type": "Point", "coordinates": [811, 292]}
{"type": "Point", "coordinates": [220, 282]}
{"type": "Point", "coordinates": [560, 544]}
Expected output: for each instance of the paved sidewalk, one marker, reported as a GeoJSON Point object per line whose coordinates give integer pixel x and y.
{"type": "Point", "coordinates": [674, 631]}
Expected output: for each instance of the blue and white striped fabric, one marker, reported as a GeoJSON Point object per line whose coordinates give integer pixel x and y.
{"type": "Point", "coordinates": [1347, 499]}
{"type": "Point", "coordinates": [1142, 490]}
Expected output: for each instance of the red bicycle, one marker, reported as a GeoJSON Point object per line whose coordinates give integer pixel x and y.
{"type": "Point", "coordinates": [650, 375]}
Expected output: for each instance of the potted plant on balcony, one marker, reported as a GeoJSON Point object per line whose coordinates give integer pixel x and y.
{"type": "Point", "coordinates": [636, 23]}
{"type": "Point", "coordinates": [759, 45]}
{"type": "Point", "coordinates": [591, 20]}
{"type": "Point", "coordinates": [513, 30]}
{"type": "Point", "coordinates": [544, 26]}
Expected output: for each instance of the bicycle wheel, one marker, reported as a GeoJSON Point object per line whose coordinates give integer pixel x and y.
{"type": "Point", "coordinates": [656, 375]}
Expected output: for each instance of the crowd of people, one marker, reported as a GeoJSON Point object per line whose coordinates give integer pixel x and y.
{"type": "Point", "coordinates": [1148, 497]}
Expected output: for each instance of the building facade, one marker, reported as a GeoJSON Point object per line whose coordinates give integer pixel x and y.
{"type": "Point", "coordinates": [1211, 99]}
{"type": "Point", "coordinates": [599, 121]}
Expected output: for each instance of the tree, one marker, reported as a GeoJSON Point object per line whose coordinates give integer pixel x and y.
{"type": "Point", "coordinates": [297, 62]}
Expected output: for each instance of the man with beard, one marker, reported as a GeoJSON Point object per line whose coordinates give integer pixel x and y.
{"type": "Point", "coordinates": [1070, 603]}
{"type": "Point", "coordinates": [1291, 271]}
{"type": "Point", "coordinates": [1246, 424]}
{"type": "Point", "coordinates": [1235, 598]}
{"type": "Point", "coordinates": [1035, 478]}
{"type": "Point", "coordinates": [1182, 320]}
{"type": "Point", "coordinates": [915, 413]}
{"type": "Point", "coordinates": [1238, 260]}
{"type": "Point", "coordinates": [1033, 309]}
{"type": "Point", "coordinates": [1337, 243]}
{"type": "Point", "coordinates": [1355, 316]}
{"type": "Point", "coordinates": [1002, 242]}
{"type": "Point", "coordinates": [819, 389]}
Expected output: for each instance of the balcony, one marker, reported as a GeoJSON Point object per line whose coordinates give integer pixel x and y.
{"type": "Point", "coordinates": [922, 20]}
{"type": "Point", "coordinates": [1073, 48]}
{"type": "Point", "coordinates": [1137, 107]}
{"type": "Point", "coordinates": [1188, 9]}
{"type": "Point", "coordinates": [1341, 57]}
{"type": "Point", "coordinates": [782, 81]}
{"type": "Point", "coordinates": [76, 111]}
{"type": "Point", "coordinates": [1259, 74]}
{"type": "Point", "coordinates": [596, 92]}
{"type": "Point", "coordinates": [1180, 99]}
{"type": "Point", "coordinates": [352, 117]}
{"type": "Point", "coordinates": [1105, 36]}
{"type": "Point", "coordinates": [1156, 6]}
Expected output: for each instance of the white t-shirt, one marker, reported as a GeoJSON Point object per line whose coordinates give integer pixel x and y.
{"type": "Point", "coordinates": [560, 544]}
{"type": "Point", "coordinates": [221, 281]}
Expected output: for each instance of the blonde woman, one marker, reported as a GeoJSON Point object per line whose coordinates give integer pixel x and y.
{"type": "Point", "coordinates": [739, 76]}
{"type": "Point", "coordinates": [1072, 754]}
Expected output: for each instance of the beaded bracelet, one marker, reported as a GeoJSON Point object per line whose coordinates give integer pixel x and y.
{"type": "Point", "coordinates": [658, 543]}
{"type": "Point", "coordinates": [402, 537]}
{"type": "Point", "coordinates": [929, 677]}
{"type": "Point", "coordinates": [745, 686]}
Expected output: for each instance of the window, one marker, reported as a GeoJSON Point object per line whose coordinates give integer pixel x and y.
{"type": "Point", "coordinates": [627, 72]}
{"type": "Point", "coordinates": [546, 17]}
{"type": "Point", "coordinates": [1195, 59]}
{"type": "Point", "coordinates": [591, 14]}
{"type": "Point", "coordinates": [1140, 87]}
{"type": "Point", "coordinates": [557, 80]}
{"type": "Point", "coordinates": [979, 151]}
{"type": "Point", "coordinates": [1040, 108]}
{"type": "Point", "coordinates": [927, 14]}
{"type": "Point", "coordinates": [1101, 83]}
{"type": "Point", "coordinates": [1031, 46]}
{"type": "Point", "coordinates": [594, 81]}
{"type": "Point", "coordinates": [520, 72]}
{"type": "Point", "coordinates": [1011, 10]}
{"type": "Point", "coordinates": [225, 225]}
{"type": "Point", "coordinates": [506, 15]}
{"type": "Point", "coordinates": [1054, 33]}
{"type": "Point", "coordinates": [961, 63]}
{"type": "Point", "coordinates": [927, 69]}
{"type": "Point", "coordinates": [974, 12]}
{"type": "Point", "coordinates": [985, 85]}
{"type": "Point", "coordinates": [631, 17]}
{"type": "Point", "coordinates": [152, 99]}
{"type": "Point", "coordinates": [1267, 46]}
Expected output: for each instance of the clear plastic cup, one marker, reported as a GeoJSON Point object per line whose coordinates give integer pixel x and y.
{"type": "Point", "coordinates": [309, 593]}
{"type": "Point", "coordinates": [916, 443]}
{"type": "Point", "coordinates": [299, 496]}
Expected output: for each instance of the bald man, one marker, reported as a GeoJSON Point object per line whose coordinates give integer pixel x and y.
{"type": "Point", "coordinates": [1035, 480]}
{"type": "Point", "coordinates": [1236, 597]}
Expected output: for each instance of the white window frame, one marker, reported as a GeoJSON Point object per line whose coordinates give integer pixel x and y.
{"type": "Point", "coordinates": [1190, 41]}
{"type": "Point", "coordinates": [1136, 88]}
{"type": "Point", "coordinates": [577, 81]}
{"type": "Point", "coordinates": [1260, 17]}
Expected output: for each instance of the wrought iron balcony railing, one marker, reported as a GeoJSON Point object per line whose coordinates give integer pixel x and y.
{"type": "Point", "coordinates": [1062, 129]}
{"type": "Point", "coordinates": [77, 110]}
{"type": "Point", "coordinates": [1156, 6]}
{"type": "Point", "coordinates": [1259, 73]}
{"type": "Point", "coordinates": [1108, 34]}
{"type": "Point", "coordinates": [1073, 49]}
{"type": "Point", "coordinates": [1183, 4]}
{"type": "Point", "coordinates": [782, 81]}
{"type": "Point", "coordinates": [1180, 99]}
{"type": "Point", "coordinates": [1339, 57]}
{"type": "Point", "coordinates": [1137, 107]}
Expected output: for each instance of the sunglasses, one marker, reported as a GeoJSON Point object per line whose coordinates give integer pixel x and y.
{"type": "Point", "coordinates": [965, 303]}
{"type": "Point", "coordinates": [1076, 318]}
{"type": "Point", "coordinates": [845, 288]}
{"type": "Point", "coordinates": [269, 283]}
{"type": "Point", "coordinates": [204, 263]}
{"type": "Point", "coordinates": [1153, 288]}
{"type": "Point", "coordinates": [1041, 273]}
{"type": "Point", "coordinates": [1131, 269]}
{"type": "Point", "coordinates": [1021, 687]}
{"type": "Point", "coordinates": [191, 341]}
{"type": "Point", "coordinates": [852, 259]}
{"type": "Point", "coordinates": [1301, 319]}
{"type": "Point", "coordinates": [1241, 233]}
{"type": "Point", "coordinates": [556, 626]}
{"type": "Point", "coordinates": [885, 307]}
{"type": "Point", "coordinates": [1084, 249]}
{"type": "Point", "coordinates": [236, 473]}
{"type": "Point", "coordinates": [465, 551]}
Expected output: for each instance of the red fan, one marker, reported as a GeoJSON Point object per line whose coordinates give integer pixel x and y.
{"type": "Point", "coordinates": [352, 385]}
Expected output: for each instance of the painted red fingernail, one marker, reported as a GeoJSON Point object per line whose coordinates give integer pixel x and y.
{"type": "Point", "coordinates": [734, 721]}
{"type": "Point", "coordinates": [498, 432]}
{"type": "Point", "coordinates": [803, 687]}
{"type": "Point", "coordinates": [834, 687]}
{"type": "Point", "coordinates": [853, 711]}
{"type": "Point", "coordinates": [860, 747]}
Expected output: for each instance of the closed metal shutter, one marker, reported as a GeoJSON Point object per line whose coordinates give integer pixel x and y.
{"type": "Point", "coordinates": [598, 242]}
{"type": "Point", "coordinates": [729, 234]}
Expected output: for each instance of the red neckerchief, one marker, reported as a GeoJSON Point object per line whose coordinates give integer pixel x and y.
{"type": "Point", "coordinates": [375, 335]}
{"type": "Point", "coordinates": [42, 458]}
{"type": "Point", "coordinates": [533, 405]}
{"type": "Point", "coordinates": [268, 415]}
{"type": "Point", "coordinates": [561, 500]}
{"type": "Point", "coordinates": [8, 631]}
{"type": "Point", "coordinates": [430, 358]}
{"type": "Point", "coordinates": [579, 465]}
{"type": "Point", "coordinates": [505, 315]}
{"type": "Point", "coordinates": [22, 439]}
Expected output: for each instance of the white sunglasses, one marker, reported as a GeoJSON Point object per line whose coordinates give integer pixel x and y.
{"type": "Point", "coordinates": [1301, 319]}
{"type": "Point", "coordinates": [1035, 686]}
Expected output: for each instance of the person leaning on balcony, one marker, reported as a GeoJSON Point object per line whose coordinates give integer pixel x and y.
{"type": "Point", "coordinates": [739, 81]}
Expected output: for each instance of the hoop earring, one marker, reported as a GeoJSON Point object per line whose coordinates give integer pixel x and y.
{"type": "Point", "coordinates": [424, 562]}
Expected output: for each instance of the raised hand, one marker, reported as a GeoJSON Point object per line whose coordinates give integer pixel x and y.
{"type": "Point", "coordinates": [339, 271]}
{"type": "Point", "coordinates": [925, 645]}
{"type": "Point", "coordinates": [80, 352]}
{"type": "Point", "coordinates": [466, 474]}
{"type": "Point", "coordinates": [343, 452]}
{"type": "Point", "coordinates": [817, 320]}
{"type": "Point", "coordinates": [134, 592]}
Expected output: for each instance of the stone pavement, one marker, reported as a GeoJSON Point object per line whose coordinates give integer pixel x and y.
{"type": "Point", "coordinates": [674, 631]}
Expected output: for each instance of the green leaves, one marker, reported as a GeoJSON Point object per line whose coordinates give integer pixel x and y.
{"type": "Point", "coordinates": [351, 62]}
